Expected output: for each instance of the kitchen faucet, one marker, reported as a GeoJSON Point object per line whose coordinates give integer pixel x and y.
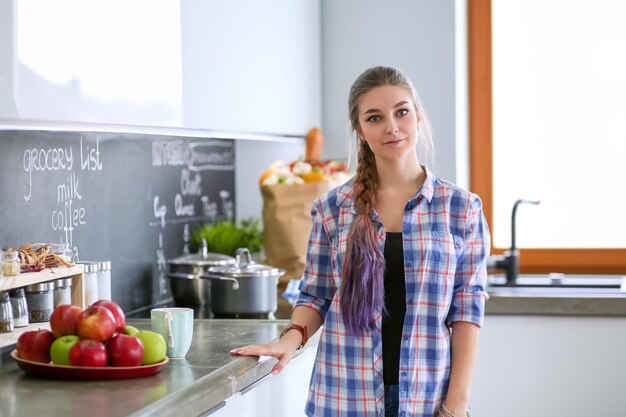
{"type": "Point", "coordinates": [509, 262]}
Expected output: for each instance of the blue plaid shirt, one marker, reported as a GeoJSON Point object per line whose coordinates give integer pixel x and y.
{"type": "Point", "coordinates": [446, 243]}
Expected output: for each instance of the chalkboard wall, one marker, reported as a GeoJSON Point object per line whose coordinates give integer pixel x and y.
{"type": "Point", "coordinates": [130, 198]}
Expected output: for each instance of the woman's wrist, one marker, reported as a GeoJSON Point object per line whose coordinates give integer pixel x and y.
{"type": "Point", "coordinates": [456, 401]}
{"type": "Point", "coordinates": [292, 337]}
{"type": "Point", "coordinates": [450, 409]}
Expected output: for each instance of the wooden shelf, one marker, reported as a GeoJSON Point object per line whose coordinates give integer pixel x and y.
{"type": "Point", "coordinates": [28, 278]}
{"type": "Point", "coordinates": [51, 274]}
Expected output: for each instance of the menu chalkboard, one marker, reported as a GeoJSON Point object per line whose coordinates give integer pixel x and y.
{"type": "Point", "coordinates": [129, 198]}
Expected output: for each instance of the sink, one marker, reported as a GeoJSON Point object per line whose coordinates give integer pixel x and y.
{"type": "Point", "coordinates": [558, 284]}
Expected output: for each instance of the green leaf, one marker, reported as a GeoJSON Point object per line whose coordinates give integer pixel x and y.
{"type": "Point", "coordinates": [225, 237]}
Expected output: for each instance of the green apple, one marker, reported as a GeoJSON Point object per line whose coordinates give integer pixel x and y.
{"type": "Point", "coordinates": [130, 330]}
{"type": "Point", "coordinates": [154, 346]}
{"type": "Point", "coordinates": [60, 349]}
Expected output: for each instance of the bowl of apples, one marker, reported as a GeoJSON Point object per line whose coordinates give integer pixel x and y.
{"type": "Point", "coordinates": [95, 343]}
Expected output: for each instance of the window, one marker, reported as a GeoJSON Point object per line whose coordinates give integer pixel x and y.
{"type": "Point", "coordinates": [546, 122]}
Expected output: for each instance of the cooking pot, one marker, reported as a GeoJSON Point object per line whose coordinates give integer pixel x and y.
{"type": "Point", "coordinates": [253, 292]}
{"type": "Point", "coordinates": [186, 275]}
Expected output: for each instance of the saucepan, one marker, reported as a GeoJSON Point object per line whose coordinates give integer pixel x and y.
{"type": "Point", "coordinates": [243, 289]}
{"type": "Point", "coordinates": [186, 276]}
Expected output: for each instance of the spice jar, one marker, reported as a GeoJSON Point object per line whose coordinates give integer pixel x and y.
{"type": "Point", "coordinates": [63, 250]}
{"type": "Point", "coordinates": [104, 280]}
{"type": "Point", "coordinates": [62, 291]}
{"type": "Point", "coordinates": [20, 307]}
{"type": "Point", "coordinates": [40, 301]}
{"type": "Point", "coordinates": [6, 313]}
{"type": "Point", "coordinates": [11, 263]}
{"type": "Point", "coordinates": [91, 282]}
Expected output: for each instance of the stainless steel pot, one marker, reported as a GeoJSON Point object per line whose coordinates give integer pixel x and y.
{"type": "Point", "coordinates": [253, 292]}
{"type": "Point", "coordinates": [187, 281]}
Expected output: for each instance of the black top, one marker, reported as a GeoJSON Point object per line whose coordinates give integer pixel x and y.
{"type": "Point", "coordinates": [395, 303]}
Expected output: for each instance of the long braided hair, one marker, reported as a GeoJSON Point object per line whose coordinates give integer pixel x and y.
{"type": "Point", "coordinates": [362, 289]}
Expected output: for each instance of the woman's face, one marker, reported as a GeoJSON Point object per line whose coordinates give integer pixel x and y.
{"type": "Point", "coordinates": [388, 121]}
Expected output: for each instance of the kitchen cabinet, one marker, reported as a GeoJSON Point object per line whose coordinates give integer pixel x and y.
{"type": "Point", "coordinates": [283, 395]}
{"type": "Point", "coordinates": [558, 366]}
{"type": "Point", "coordinates": [8, 283]}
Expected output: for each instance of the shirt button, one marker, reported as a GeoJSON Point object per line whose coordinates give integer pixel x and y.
{"type": "Point", "coordinates": [408, 264]}
{"type": "Point", "coordinates": [403, 374]}
{"type": "Point", "coordinates": [402, 413]}
{"type": "Point", "coordinates": [406, 229]}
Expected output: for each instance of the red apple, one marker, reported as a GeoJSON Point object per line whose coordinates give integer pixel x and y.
{"type": "Point", "coordinates": [117, 311]}
{"type": "Point", "coordinates": [88, 352]}
{"type": "Point", "coordinates": [125, 350]}
{"type": "Point", "coordinates": [64, 320]}
{"type": "Point", "coordinates": [96, 323]}
{"type": "Point", "coordinates": [35, 345]}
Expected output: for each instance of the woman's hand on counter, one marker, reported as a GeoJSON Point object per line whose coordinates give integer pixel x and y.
{"type": "Point", "coordinates": [282, 349]}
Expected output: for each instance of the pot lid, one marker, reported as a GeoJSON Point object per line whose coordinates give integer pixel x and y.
{"type": "Point", "coordinates": [198, 259]}
{"type": "Point", "coordinates": [202, 258]}
{"type": "Point", "coordinates": [245, 267]}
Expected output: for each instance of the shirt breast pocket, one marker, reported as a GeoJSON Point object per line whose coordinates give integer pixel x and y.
{"type": "Point", "coordinates": [439, 253]}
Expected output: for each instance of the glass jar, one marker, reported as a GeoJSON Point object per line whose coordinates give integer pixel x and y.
{"type": "Point", "coordinates": [11, 263]}
{"type": "Point", "coordinates": [62, 250]}
{"type": "Point", "coordinates": [6, 313]}
{"type": "Point", "coordinates": [20, 307]}
{"type": "Point", "coordinates": [40, 301]}
{"type": "Point", "coordinates": [104, 280]}
{"type": "Point", "coordinates": [91, 282]}
{"type": "Point", "coordinates": [62, 291]}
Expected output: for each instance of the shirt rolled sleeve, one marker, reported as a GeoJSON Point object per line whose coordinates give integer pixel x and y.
{"type": "Point", "coordinates": [317, 287]}
{"type": "Point", "coordinates": [469, 295]}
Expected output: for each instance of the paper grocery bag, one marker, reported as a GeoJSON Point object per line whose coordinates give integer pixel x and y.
{"type": "Point", "coordinates": [287, 224]}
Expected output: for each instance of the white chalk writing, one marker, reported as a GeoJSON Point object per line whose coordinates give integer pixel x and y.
{"type": "Point", "coordinates": [186, 236]}
{"type": "Point", "coordinates": [170, 153]}
{"type": "Point", "coordinates": [181, 209]}
{"type": "Point", "coordinates": [68, 190]}
{"type": "Point", "coordinates": [90, 158]}
{"type": "Point", "coordinates": [197, 156]}
{"type": "Point", "coordinates": [209, 209]}
{"type": "Point", "coordinates": [159, 211]}
{"type": "Point", "coordinates": [189, 185]}
{"type": "Point", "coordinates": [54, 159]}
{"type": "Point", "coordinates": [227, 205]}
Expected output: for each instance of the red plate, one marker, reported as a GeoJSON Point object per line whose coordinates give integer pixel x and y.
{"type": "Point", "coordinates": [49, 370]}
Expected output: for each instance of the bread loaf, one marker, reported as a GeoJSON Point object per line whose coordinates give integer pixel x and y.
{"type": "Point", "coordinates": [314, 145]}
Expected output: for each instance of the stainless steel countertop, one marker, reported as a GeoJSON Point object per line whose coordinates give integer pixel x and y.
{"type": "Point", "coordinates": [203, 380]}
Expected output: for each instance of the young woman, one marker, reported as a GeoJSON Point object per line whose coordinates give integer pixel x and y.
{"type": "Point", "coordinates": [396, 270]}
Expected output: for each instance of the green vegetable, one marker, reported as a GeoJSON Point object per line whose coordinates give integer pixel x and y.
{"type": "Point", "coordinates": [225, 237]}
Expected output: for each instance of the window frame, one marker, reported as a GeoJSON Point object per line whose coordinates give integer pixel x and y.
{"type": "Point", "coordinates": [581, 261]}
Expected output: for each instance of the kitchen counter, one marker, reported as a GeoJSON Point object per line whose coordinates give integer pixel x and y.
{"type": "Point", "coordinates": [556, 302]}
{"type": "Point", "coordinates": [186, 387]}
{"type": "Point", "coordinates": [538, 301]}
